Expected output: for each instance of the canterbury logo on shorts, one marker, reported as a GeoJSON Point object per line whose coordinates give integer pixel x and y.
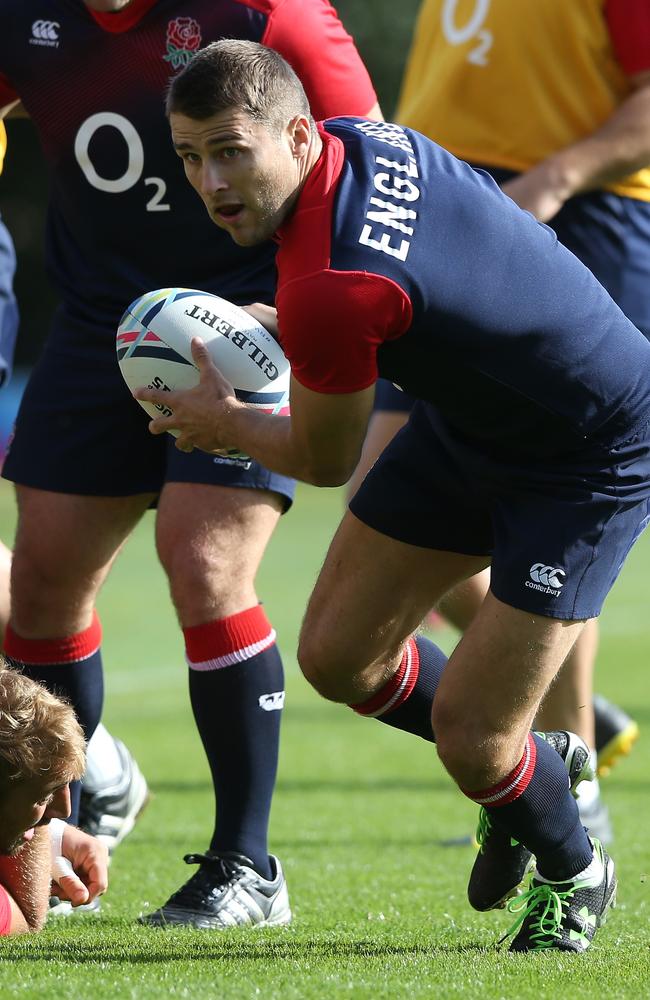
{"type": "Point", "coordinates": [547, 579]}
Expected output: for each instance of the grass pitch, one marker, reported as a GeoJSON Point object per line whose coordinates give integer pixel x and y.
{"type": "Point", "coordinates": [360, 817]}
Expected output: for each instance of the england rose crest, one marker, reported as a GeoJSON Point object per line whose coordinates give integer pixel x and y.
{"type": "Point", "coordinates": [183, 40]}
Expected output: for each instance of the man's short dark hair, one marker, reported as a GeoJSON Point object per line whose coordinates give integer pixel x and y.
{"type": "Point", "coordinates": [233, 73]}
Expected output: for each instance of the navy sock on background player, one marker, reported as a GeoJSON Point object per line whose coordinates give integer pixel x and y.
{"type": "Point", "coordinates": [70, 666]}
{"type": "Point", "coordinates": [533, 803]}
{"type": "Point", "coordinates": [237, 692]}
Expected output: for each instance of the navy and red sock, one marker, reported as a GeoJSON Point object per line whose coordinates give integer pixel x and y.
{"type": "Point", "coordinates": [71, 667]}
{"type": "Point", "coordinates": [237, 693]}
{"type": "Point", "coordinates": [532, 804]}
{"type": "Point", "coordinates": [405, 700]}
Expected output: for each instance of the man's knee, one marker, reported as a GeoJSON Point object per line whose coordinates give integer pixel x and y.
{"type": "Point", "coordinates": [42, 588]}
{"type": "Point", "coordinates": [207, 581]}
{"type": "Point", "coordinates": [211, 549]}
{"type": "Point", "coordinates": [471, 747]}
{"type": "Point", "coordinates": [65, 545]}
{"type": "Point", "coordinates": [190, 564]}
{"type": "Point", "coordinates": [450, 731]}
{"type": "Point", "coordinates": [321, 666]}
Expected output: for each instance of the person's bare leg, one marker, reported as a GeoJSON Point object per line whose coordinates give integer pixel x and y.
{"type": "Point", "coordinates": [370, 597]}
{"type": "Point", "coordinates": [378, 610]}
{"type": "Point", "coordinates": [521, 654]}
{"type": "Point", "coordinates": [461, 604]}
{"type": "Point", "coordinates": [212, 557]}
{"type": "Point", "coordinates": [236, 677]}
{"type": "Point", "coordinates": [568, 703]}
{"type": "Point", "coordinates": [65, 545]}
{"type": "Point", "coordinates": [105, 756]}
{"type": "Point", "coordinates": [355, 647]}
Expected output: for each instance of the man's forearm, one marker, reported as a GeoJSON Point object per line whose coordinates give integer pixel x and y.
{"type": "Point", "coordinates": [319, 443]}
{"type": "Point", "coordinates": [26, 877]}
{"type": "Point", "coordinates": [269, 440]}
{"type": "Point", "coordinates": [620, 147]}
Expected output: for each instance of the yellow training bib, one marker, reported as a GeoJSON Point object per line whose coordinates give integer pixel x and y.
{"type": "Point", "coordinates": [507, 83]}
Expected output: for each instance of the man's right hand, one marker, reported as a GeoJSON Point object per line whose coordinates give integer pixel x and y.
{"type": "Point", "coordinates": [88, 876]}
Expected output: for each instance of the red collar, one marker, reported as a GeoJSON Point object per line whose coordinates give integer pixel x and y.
{"type": "Point", "coordinates": [323, 177]}
{"type": "Point", "coordinates": [122, 20]}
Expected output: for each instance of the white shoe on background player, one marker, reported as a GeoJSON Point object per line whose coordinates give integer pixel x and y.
{"type": "Point", "coordinates": [226, 891]}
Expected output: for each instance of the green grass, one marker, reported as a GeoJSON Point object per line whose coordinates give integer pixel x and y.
{"type": "Point", "coordinates": [379, 904]}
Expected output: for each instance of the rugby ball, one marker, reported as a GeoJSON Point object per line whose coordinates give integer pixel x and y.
{"type": "Point", "coordinates": [154, 349]}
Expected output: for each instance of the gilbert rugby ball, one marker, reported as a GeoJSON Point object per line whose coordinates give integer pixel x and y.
{"type": "Point", "coordinates": [153, 349]}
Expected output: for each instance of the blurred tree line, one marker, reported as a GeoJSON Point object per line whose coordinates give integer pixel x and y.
{"type": "Point", "coordinates": [382, 30]}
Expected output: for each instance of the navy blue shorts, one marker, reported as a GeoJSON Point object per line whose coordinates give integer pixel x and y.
{"type": "Point", "coordinates": [79, 430]}
{"type": "Point", "coordinates": [557, 532]}
{"type": "Point", "coordinates": [611, 236]}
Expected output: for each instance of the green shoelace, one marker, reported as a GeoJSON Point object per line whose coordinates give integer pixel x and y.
{"type": "Point", "coordinates": [483, 829]}
{"type": "Point", "coordinates": [545, 906]}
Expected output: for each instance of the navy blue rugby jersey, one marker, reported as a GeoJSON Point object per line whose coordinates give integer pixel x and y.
{"type": "Point", "coordinates": [401, 261]}
{"type": "Point", "coordinates": [123, 218]}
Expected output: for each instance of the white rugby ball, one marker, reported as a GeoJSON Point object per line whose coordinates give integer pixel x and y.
{"type": "Point", "coordinates": [153, 349]}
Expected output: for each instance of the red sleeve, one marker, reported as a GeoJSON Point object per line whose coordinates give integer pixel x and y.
{"type": "Point", "coordinates": [310, 36]}
{"type": "Point", "coordinates": [7, 93]}
{"type": "Point", "coordinates": [332, 323]}
{"type": "Point", "coordinates": [629, 28]}
{"type": "Point", "coordinates": [5, 912]}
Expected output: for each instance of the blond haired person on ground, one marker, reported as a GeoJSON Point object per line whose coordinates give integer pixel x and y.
{"type": "Point", "coordinates": [42, 750]}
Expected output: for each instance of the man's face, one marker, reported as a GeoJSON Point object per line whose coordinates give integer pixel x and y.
{"type": "Point", "coordinates": [246, 174]}
{"type": "Point", "coordinates": [28, 804]}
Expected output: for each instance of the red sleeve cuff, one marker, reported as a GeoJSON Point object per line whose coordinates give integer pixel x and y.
{"type": "Point", "coordinates": [629, 28]}
{"type": "Point", "coordinates": [5, 912]}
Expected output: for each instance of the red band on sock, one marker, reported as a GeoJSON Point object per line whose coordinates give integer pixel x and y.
{"type": "Point", "coordinates": [229, 640]}
{"type": "Point", "coordinates": [68, 649]}
{"type": "Point", "coordinates": [395, 692]}
{"type": "Point", "coordinates": [513, 785]}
